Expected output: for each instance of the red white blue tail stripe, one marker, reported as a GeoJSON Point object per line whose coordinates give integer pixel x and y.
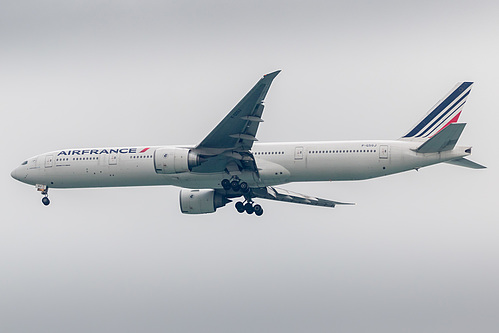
{"type": "Point", "coordinates": [445, 112]}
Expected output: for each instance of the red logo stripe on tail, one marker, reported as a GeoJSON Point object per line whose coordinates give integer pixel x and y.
{"type": "Point", "coordinates": [453, 120]}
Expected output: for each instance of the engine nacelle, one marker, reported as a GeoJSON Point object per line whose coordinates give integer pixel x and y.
{"type": "Point", "coordinates": [201, 201]}
{"type": "Point", "coordinates": [175, 160]}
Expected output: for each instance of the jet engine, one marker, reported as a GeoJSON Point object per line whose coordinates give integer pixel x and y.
{"type": "Point", "coordinates": [201, 201]}
{"type": "Point", "coordinates": [175, 160]}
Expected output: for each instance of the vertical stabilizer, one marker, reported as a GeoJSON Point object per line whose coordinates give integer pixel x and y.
{"type": "Point", "coordinates": [444, 113]}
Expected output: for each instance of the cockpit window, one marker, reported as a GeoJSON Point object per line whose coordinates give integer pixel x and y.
{"type": "Point", "coordinates": [24, 163]}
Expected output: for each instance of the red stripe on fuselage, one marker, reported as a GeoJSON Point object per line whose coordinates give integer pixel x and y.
{"type": "Point", "coordinates": [144, 150]}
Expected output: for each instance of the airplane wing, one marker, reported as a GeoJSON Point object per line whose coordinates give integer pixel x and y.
{"type": "Point", "coordinates": [227, 146]}
{"type": "Point", "coordinates": [279, 194]}
{"type": "Point", "coordinates": [237, 131]}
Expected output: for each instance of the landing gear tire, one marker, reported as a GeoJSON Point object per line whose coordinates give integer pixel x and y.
{"type": "Point", "coordinates": [258, 210]}
{"type": "Point", "coordinates": [243, 187]}
{"type": "Point", "coordinates": [240, 207]}
{"type": "Point", "coordinates": [249, 208]}
{"type": "Point", "coordinates": [226, 184]}
{"type": "Point", "coordinates": [45, 201]}
{"type": "Point", "coordinates": [235, 185]}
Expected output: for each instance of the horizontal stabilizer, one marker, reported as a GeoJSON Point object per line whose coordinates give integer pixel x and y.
{"type": "Point", "coordinates": [279, 194]}
{"type": "Point", "coordinates": [466, 163]}
{"type": "Point", "coordinates": [444, 140]}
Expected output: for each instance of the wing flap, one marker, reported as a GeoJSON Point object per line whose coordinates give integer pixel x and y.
{"type": "Point", "coordinates": [279, 194]}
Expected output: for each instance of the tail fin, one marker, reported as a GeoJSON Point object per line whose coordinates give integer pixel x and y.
{"type": "Point", "coordinates": [445, 112]}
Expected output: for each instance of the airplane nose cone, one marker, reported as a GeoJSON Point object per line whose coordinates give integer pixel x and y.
{"type": "Point", "coordinates": [15, 174]}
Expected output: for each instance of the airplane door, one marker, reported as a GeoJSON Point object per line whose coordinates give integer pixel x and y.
{"type": "Point", "coordinates": [49, 161]}
{"type": "Point", "coordinates": [383, 152]}
{"type": "Point", "coordinates": [113, 159]}
{"type": "Point", "coordinates": [298, 153]}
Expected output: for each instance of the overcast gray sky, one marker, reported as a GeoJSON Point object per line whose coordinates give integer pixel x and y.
{"type": "Point", "coordinates": [419, 252]}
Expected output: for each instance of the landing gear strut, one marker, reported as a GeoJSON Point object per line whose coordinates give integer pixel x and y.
{"type": "Point", "coordinates": [45, 192]}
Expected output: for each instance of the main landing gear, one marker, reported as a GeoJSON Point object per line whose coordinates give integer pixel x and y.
{"type": "Point", "coordinates": [249, 208]}
{"type": "Point", "coordinates": [45, 192]}
{"type": "Point", "coordinates": [236, 185]}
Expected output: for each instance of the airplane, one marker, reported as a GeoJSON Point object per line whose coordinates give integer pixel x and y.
{"type": "Point", "coordinates": [229, 163]}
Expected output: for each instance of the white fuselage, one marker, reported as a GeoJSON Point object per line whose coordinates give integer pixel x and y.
{"type": "Point", "coordinates": [278, 163]}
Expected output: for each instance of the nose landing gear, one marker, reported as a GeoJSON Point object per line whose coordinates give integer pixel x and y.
{"type": "Point", "coordinates": [46, 201]}
{"type": "Point", "coordinates": [44, 190]}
